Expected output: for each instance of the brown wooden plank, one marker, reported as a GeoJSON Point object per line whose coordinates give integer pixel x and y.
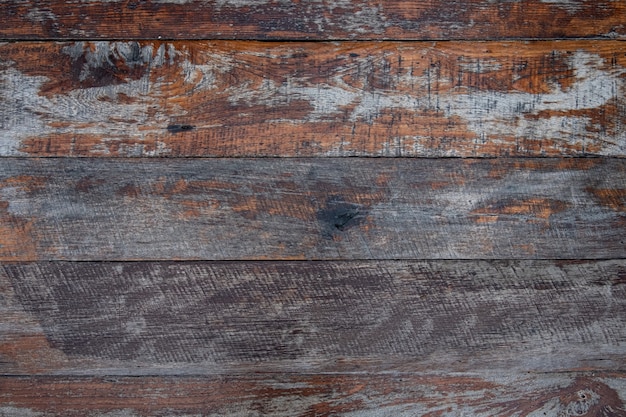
{"type": "Point", "coordinates": [313, 99]}
{"type": "Point", "coordinates": [355, 19]}
{"type": "Point", "coordinates": [551, 395]}
{"type": "Point", "coordinates": [212, 209]}
{"type": "Point", "coordinates": [238, 317]}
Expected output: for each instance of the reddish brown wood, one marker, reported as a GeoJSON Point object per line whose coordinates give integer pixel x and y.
{"type": "Point", "coordinates": [269, 19]}
{"type": "Point", "coordinates": [494, 395]}
{"type": "Point", "coordinates": [228, 99]}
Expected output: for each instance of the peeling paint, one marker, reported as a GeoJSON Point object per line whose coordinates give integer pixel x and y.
{"type": "Point", "coordinates": [488, 114]}
{"type": "Point", "coordinates": [90, 110]}
{"type": "Point", "coordinates": [83, 110]}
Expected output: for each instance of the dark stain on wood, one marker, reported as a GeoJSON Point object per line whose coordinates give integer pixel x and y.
{"type": "Point", "coordinates": [339, 215]}
{"type": "Point", "coordinates": [179, 128]}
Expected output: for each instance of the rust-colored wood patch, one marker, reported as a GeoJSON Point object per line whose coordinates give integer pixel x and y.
{"type": "Point", "coordinates": [267, 19]}
{"type": "Point", "coordinates": [283, 395]}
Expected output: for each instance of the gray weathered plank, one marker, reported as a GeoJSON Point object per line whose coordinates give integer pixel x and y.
{"type": "Point", "coordinates": [157, 98]}
{"type": "Point", "coordinates": [221, 209]}
{"type": "Point", "coordinates": [210, 318]}
{"type": "Point", "coordinates": [553, 395]}
{"type": "Point", "coordinates": [332, 19]}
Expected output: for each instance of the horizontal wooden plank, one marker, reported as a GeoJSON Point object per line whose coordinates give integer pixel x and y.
{"type": "Point", "coordinates": [355, 19]}
{"type": "Point", "coordinates": [313, 99]}
{"type": "Point", "coordinates": [213, 318]}
{"type": "Point", "coordinates": [553, 395]}
{"type": "Point", "coordinates": [234, 209]}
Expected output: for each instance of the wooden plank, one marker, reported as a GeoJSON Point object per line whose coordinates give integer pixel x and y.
{"type": "Point", "coordinates": [465, 99]}
{"type": "Point", "coordinates": [161, 318]}
{"type": "Point", "coordinates": [355, 19]}
{"type": "Point", "coordinates": [314, 395]}
{"type": "Point", "coordinates": [235, 209]}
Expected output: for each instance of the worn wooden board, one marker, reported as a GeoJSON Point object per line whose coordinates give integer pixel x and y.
{"type": "Point", "coordinates": [576, 394]}
{"type": "Point", "coordinates": [212, 209]}
{"type": "Point", "coordinates": [465, 99]}
{"type": "Point", "coordinates": [210, 318]}
{"type": "Point", "coordinates": [354, 19]}
{"type": "Point", "coordinates": [360, 326]}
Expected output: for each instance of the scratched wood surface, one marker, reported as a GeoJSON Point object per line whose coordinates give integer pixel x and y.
{"type": "Point", "coordinates": [354, 19]}
{"type": "Point", "coordinates": [212, 318]}
{"type": "Point", "coordinates": [225, 98]}
{"type": "Point", "coordinates": [211, 209]}
{"type": "Point", "coordinates": [276, 277]}
{"type": "Point", "coordinates": [573, 394]}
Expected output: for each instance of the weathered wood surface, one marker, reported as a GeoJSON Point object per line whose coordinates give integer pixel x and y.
{"type": "Point", "coordinates": [354, 19]}
{"type": "Point", "coordinates": [212, 209]}
{"type": "Point", "coordinates": [517, 308]}
{"type": "Point", "coordinates": [554, 395]}
{"type": "Point", "coordinates": [212, 318]}
{"type": "Point", "coordinates": [313, 99]}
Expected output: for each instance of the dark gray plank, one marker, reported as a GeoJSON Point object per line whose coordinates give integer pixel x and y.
{"type": "Point", "coordinates": [333, 19]}
{"type": "Point", "coordinates": [100, 209]}
{"type": "Point", "coordinates": [224, 99]}
{"type": "Point", "coordinates": [554, 395]}
{"type": "Point", "coordinates": [237, 317]}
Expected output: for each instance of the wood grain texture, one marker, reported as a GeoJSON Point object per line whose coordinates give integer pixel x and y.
{"type": "Point", "coordinates": [355, 19]}
{"type": "Point", "coordinates": [553, 395]}
{"type": "Point", "coordinates": [227, 99]}
{"type": "Point", "coordinates": [212, 318]}
{"type": "Point", "coordinates": [138, 286]}
{"type": "Point", "coordinates": [212, 209]}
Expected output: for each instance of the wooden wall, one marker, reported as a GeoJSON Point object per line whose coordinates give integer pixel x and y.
{"type": "Point", "coordinates": [313, 208]}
